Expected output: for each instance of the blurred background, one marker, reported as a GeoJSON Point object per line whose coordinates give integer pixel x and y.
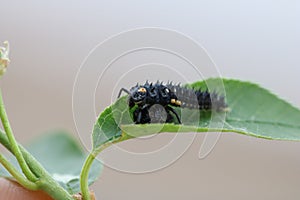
{"type": "Point", "coordinates": [255, 40]}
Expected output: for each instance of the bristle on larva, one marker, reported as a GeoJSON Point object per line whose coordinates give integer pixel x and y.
{"type": "Point", "coordinates": [197, 99]}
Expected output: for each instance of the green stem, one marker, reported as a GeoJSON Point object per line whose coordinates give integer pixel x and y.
{"type": "Point", "coordinates": [18, 176]}
{"type": "Point", "coordinates": [84, 175]}
{"type": "Point", "coordinates": [84, 186]}
{"type": "Point", "coordinates": [45, 182]}
{"type": "Point", "coordinates": [14, 146]}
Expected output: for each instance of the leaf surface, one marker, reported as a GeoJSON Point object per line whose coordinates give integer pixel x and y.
{"type": "Point", "coordinates": [253, 111]}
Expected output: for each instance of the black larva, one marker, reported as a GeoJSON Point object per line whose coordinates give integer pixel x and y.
{"type": "Point", "coordinates": [168, 96]}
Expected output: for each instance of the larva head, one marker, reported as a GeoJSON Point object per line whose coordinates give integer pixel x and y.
{"type": "Point", "coordinates": [138, 94]}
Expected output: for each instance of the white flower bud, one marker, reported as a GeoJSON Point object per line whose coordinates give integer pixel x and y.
{"type": "Point", "coordinates": [4, 59]}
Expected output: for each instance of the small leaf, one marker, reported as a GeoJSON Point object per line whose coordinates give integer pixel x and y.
{"type": "Point", "coordinates": [63, 158]}
{"type": "Point", "coordinates": [254, 111]}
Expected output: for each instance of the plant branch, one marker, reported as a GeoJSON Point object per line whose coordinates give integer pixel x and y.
{"type": "Point", "coordinates": [17, 175]}
{"type": "Point", "coordinates": [14, 146]}
{"type": "Point", "coordinates": [84, 186]}
{"type": "Point", "coordinates": [45, 182]}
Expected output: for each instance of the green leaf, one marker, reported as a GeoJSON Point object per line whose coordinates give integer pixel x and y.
{"type": "Point", "coordinates": [253, 111]}
{"type": "Point", "coordinates": [63, 158]}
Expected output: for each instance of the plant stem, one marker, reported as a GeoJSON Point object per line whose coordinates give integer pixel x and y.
{"type": "Point", "coordinates": [84, 186]}
{"type": "Point", "coordinates": [14, 146]}
{"type": "Point", "coordinates": [84, 175]}
{"type": "Point", "coordinates": [45, 182]}
{"type": "Point", "coordinates": [19, 177]}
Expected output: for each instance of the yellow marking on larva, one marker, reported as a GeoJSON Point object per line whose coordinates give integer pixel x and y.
{"type": "Point", "coordinates": [178, 102]}
{"type": "Point", "coordinates": [142, 89]}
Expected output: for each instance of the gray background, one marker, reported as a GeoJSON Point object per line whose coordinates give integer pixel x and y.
{"type": "Point", "coordinates": [255, 40]}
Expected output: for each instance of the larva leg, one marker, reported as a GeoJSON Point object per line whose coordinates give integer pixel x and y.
{"type": "Point", "coordinates": [168, 108]}
{"type": "Point", "coordinates": [141, 115]}
{"type": "Point", "coordinates": [123, 90]}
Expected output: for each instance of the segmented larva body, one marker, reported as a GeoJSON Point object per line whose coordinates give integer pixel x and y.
{"type": "Point", "coordinates": [197, 99]}
{"type": "Point", "coordinates": [168, 96]}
